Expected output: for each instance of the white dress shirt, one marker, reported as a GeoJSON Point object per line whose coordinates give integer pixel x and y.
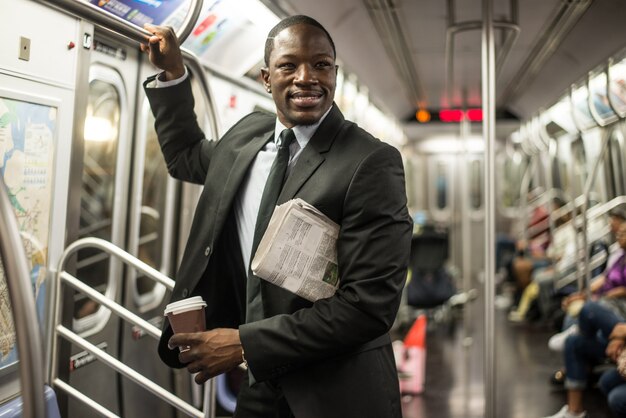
{"type": "Point", "coordinates": [248, 198]}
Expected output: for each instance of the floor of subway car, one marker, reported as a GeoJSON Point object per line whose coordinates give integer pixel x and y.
{"type": "Point", "coordinates": [454, 370]}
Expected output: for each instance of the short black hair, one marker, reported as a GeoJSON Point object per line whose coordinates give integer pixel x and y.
{"type": "Point", "coordinates": [288, 22]}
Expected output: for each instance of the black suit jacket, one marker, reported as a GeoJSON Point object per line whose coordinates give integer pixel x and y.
{"type": "Point", "coordinates": [355, 180]}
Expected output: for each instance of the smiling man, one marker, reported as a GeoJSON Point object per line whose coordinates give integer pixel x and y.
{"type": "Point", "coordinates": [331, 358]}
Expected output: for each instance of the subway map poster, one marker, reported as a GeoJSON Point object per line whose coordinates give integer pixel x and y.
{"type": "Point", "coordinates": [27, 131]}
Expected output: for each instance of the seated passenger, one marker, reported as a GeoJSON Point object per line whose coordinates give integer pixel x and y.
{"type": "Point", "coordinates": [584, 350]}
{"type": "Point", "coordinates": [531, 253]}
{"type": "Point", "coordinates": [609, 289]}
{"type": "Point", "coordinates": [537, 265]}
{"type": "Point", "coordinates": [613, 382]}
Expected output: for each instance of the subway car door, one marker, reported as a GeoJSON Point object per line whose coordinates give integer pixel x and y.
{"type": "Point", "coordinates": [151, 238]}
{"type": "Point", "coordinates": [111, 95]}
{"type": "Point", "coordinates": [158, 226]}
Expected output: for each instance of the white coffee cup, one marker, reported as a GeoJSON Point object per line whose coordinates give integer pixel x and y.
{"type": "Point", "coordinates": [186, 315]}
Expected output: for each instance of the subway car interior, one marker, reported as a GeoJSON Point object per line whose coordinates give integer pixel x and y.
{"type": "Point", "coordinates": [509, 116]}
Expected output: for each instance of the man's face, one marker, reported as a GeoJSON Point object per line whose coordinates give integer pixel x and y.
{"type": "Point", "coordinates": [301, 75]}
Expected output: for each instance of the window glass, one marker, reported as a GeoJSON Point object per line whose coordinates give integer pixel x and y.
{"type": "Point", "coordinates": [441, 184]}
{"type": "Point", "coordinates": [476, 184]}
{"type": "Point", "coordinates": [561, 117]}
{"type": "Point", "coordinates": [618, 86]}
{"type": "Point", "coordinates": [599, 99]}
{"type": "Point", "coordinates": [582, 114]}
{"type": "Point", "coordinates": [514, 168]}
{"type": "Point", "coordinates": [154, 198]}
{"type": "Point", "coordinates": [615, 163]}
{"type": "Point", "coordinates": [579, 167]}
{"type": "Point", "coordinates": [101, 133]}
{"type": "Point", "coordinates": [153, 201]}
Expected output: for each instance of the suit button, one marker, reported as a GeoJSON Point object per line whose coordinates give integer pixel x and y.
{"type": "Point", "coordinates": [185, 293]}
{"type": "Point", "coordinates": [207, 251]}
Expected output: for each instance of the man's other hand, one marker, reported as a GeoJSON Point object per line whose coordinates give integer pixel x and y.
{"type": "Point", "coordinates": [210, 352]}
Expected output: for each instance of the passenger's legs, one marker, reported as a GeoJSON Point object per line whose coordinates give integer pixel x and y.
{"type": "Point", "coordinates": [614, 387]}
{"type": "Point", "coordinates": [580, 353]}
{"type": "Point", "coordinates": [522, 268]}
{"type": "Point", "coordinates": [545, 281]}
{"type": "Point", "coordinates": [594, 317]}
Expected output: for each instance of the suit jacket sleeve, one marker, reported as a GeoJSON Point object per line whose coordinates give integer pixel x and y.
{"type": "Point", "coordinates": [186, 151]}
{"type": "Point", "coordinates": [373, 252]}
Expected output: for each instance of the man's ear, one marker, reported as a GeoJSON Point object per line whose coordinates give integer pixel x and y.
{"type": "Point", "coordinates": [265, 75]}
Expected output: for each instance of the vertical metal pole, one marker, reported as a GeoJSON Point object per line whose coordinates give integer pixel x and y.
{"type": "Point", "coordinates": [465, 210]}
{"type": "Point", "coordinates": [209, 398]}
{"type": "Point", "coordinates": [489, 118]}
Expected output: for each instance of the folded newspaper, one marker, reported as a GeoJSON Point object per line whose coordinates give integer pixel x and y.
{"type": "Point", "coordinates": [299, 251]}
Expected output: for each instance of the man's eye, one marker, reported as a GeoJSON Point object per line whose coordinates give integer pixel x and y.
{"type": "Point", "coordinates": [286, 66]}
{"type": "Point", "coordinates": [323, 64]}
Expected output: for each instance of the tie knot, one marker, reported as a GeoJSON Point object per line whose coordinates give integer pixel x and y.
{"type": "Point", "coordinates": [286, 138]}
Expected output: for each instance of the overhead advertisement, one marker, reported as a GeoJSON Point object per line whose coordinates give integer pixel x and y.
{"type": "Point", "coordinates": [26, 150]}
{"type": "Point", "coordinates": [230, 34]}
{"type": "Point", "coordinates": [141, 11]}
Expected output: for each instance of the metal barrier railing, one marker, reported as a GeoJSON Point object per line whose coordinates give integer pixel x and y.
{"type": "Point", "coordinates": [18, 280]}
{"type": "Point", "coordinates": [64, 278]}
{"type": "Point", "coordinates": [94, 14]}
{"type": "Point", "coordinates": [595, 261]}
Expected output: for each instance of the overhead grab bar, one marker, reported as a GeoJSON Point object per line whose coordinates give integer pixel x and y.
{"type": "Point", "coordinates": [456, 27]}
{"type": "Point", "coordinates": [24, 314]}
{"type": "Point", "coordinates": [94, 14]}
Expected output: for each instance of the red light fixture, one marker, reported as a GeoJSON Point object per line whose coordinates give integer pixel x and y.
{"type": "Point", "coordinates": [450, 115]}
{"type": "Point", "coordinates": [457, 115]}
{"type": "Point", "coordinates": [474, 115]}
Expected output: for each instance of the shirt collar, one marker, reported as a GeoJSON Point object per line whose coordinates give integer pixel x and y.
{"type": "Point", "coordinates": [303, 133]}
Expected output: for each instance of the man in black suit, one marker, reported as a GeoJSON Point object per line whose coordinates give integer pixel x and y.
{"type": "Point", "coordinates": [331, 358]}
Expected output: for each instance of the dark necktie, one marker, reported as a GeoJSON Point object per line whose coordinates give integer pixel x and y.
{"type": "Point", "coordinates": [273, 186]}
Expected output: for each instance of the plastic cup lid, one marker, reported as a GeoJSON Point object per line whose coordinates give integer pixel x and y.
{"type": "Point", "coordinates": [185, 305]}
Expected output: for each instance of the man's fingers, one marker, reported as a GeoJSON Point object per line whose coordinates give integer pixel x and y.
{"type": "Point", "coordinates": [202, 377]}
{"type": "Point", "coordinates": [191, 338]}
{"type": "Point", "coordinates": [194, 367]}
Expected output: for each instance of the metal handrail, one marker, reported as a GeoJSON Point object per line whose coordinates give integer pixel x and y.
{"type": "Point", "coordinates": [101, 410]}
{"type": "Point", "coordinates": [595, 261]}
{"type": "Point", "coordinates": [116, 308]}
{"type": "Point", "coordinates": [24, 313]}
{"type": "Point", "coordinates": [112, 249]}
{"type": "Point", "coordinates": [62, 277]}
{"type": "Point", "coordinates": [128, 372]}
{"type": "Point", "coordinates": [583, 220]}
{"type": "Point", "coordinates": [118, 25]}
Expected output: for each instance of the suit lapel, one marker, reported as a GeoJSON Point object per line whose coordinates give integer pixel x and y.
{"type": "Point", "coordinates": [313, 154]}
{"type": "Point", "coordinates": [240, 167]}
